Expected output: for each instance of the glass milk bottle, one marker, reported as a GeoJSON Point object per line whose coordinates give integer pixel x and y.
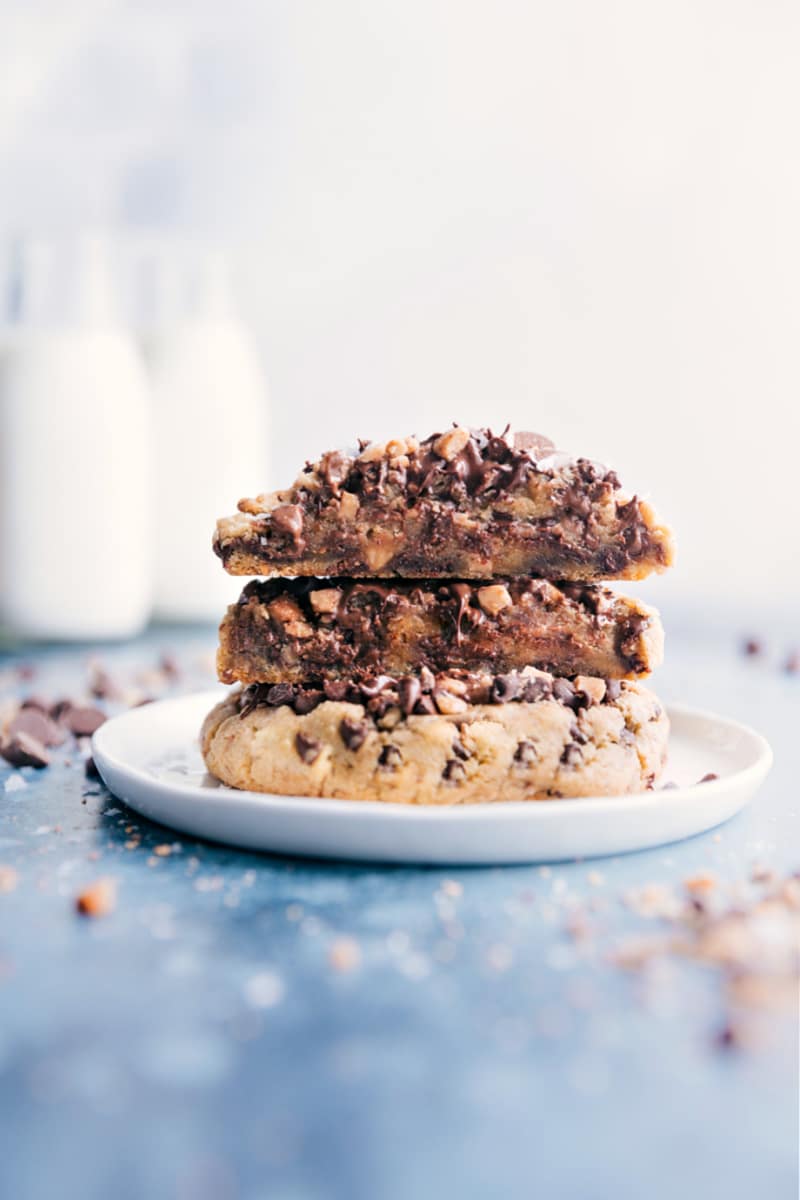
{"type": "Point", "coordinates": [75, 457]}
{"type": "Point", "coordinates": [210, 413]}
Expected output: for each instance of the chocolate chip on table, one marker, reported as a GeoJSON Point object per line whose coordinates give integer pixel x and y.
{"type": "Point", "coordinates": [22, 750]}
{"type": "Point", "coordinates": [83, 720]}
{"type": "Point", "coordinates": [38, 725]}
{"type": "Point", "coordinates": [353, 733]}
{"type": "Point", "coordinates": [709, 778]}
{"type": "Point", "coordinates": [59, 710]}
{"type": "Point", "coordinates": [791, 664]}
{"type": "Point", "coordinates": [308, 748]}
{"type": "Point", "coordinates": [752, 647]}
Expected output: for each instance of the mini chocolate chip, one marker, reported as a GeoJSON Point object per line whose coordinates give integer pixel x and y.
{"type": "Point", "coordinates": [280, 693]}
{"type": "Point", "coordinates": [37, 725]}
{"type": "Point", "coordinates": [82, 721]}
{"type": "Point", "coordinates": [525, 752]}
{"type": "Point", "coordinates": [425, 705]}
{"type": "Point", "coordinates": [308, 748]}
{"type": "Point", "coordinates": [22, 750]}
{"type": "Point", "coordinates": [709, 778]}
{"type": "Point", "coordinates": [409, 691]}
{"type": "Point", "coordinates": [460, 750]}
{"type": "Point", "coordinates": [505, 688]}
{"type": "Point", "coordinates": [752, 647]}
{"type": "Point", "coordinates": [613, 689]}
{"type": "Point", "coordinates": [390, 758]}
{"type": "Point", "coordinates": [563, 690]}
{"type": "Point", "coordinates": [537, 689]}
{"type": "Point", "coordinates": [353, 733]}
{"type": "Point", "coordinates": [454, 771]}
{"type": "Point", "coordinates": [572, 754]}
{"type": "Point", "coordinates": [307, 700]}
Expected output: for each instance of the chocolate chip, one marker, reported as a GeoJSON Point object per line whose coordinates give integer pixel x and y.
{"type": "Point", "coordinates": [752, 647]}
{"type": "Point", "coordinates": [390, 758]}
{"type": "Point", "coordinates": [288, 519]}
{"type": "Point", "coordinates": [409, 692]}
{"type": "Point", "coordinates": [454, 771]}
{"type": "Point", "coordinates": [537, 689]}
{"type": "Point", "coordinates": [307, 700]}
{"type": "Point", "coordinates": [525, 753]}
{"type": "Point", "coordinates": [460, 750]}
{"type": "Point", "coordinates": [425, 706]}
{"type": "Point", "coordinates": [37, 725]}
{"type": "Point", "coordinates": [280, 693]}
{"type": "Point", "coordinates": [308, 748]}
{"type": "Point", "coordinates": [505, 688]}
{"type": "Point", "coordinates": [60, 709]}
{"type": "Point", "coordinates": [83, 721]}
{"type": "Point", "coordinates": [572, 754]}
{"type": "Point", "coordinates": [22, 750]}
{"type": "Point", "coordinates": [36, 702]}
{"type": "Point", "coordinates": [353, 733]}
{"type": "Point", "coordinates": [565, 693]}
{"type": "Point", "coordinates": [335, 689]}
{"type": "Point", "coordinates": [709, 778]}
{"type": "Point", "coordinates": [613, 689]}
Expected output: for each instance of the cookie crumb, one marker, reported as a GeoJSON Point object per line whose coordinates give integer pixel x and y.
{"type": "Point", "coordinates": [98, 899]}
{"type": "Point", "coordinates": [8, 879]}
{"type": "Point", "coordinates": [344, 954]}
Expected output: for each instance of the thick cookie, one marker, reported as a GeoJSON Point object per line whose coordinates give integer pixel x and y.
{"type": "Point", "coordinates": [465, 504]}
{"type": "Point", "coordinates": [528, 737]}
{"type": "Point", "coordinates": [288, 630]}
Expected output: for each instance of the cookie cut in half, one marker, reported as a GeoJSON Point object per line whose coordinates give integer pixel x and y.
{"type": "Point", "coordinates": [464, 504]}
{"type": "Point", "coordinates": [287, 630]}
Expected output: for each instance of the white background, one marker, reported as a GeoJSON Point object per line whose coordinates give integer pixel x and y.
{"type": "Point", "coordinates": [579, 217]}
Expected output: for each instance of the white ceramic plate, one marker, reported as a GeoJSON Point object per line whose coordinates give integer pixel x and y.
{"type": "Point", "coordinates": [149, 757]}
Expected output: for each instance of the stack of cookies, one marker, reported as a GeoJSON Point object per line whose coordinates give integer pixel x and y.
{"type": "Point", "coordinates": [434, 628]}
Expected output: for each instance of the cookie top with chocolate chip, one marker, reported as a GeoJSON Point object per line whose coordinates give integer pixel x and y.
{"type": "Point", "coordinates": [464, 502]}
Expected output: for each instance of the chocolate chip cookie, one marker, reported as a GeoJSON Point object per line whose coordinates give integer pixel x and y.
{"type": "Point", "coordinates": [427, 739]}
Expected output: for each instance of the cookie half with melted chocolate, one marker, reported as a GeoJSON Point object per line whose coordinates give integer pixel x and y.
{"type": "Point", "coordinates": [285, 630]}
{"type": "Point", "coordinates": [464, 504]}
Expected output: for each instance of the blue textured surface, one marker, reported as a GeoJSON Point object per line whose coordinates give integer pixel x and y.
{"type": "Point", "coordinates": [198, 1043]}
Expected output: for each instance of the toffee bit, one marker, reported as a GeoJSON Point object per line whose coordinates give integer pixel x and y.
{"type": "Point", "coordinates": [97, 900]}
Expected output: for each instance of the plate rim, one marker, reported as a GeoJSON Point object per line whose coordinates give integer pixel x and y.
{"type": "Point", "coordinates": [393, 810]}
